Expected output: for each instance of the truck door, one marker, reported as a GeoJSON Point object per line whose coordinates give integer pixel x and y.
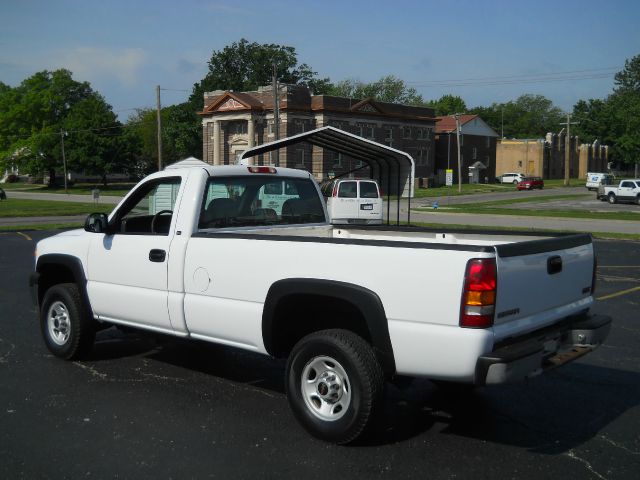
{"type": "Point", "coordinates": [127, 269]}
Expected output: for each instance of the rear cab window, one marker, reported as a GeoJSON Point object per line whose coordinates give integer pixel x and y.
{"type": "Point", "coordinates": [259, 200]}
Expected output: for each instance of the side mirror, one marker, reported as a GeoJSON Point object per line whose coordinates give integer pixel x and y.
{"type": "Point", "coordinates": [97, 223]}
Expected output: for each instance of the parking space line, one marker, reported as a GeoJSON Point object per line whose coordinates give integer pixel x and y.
{"type": "Point", "coordinates": [619, 266]}
{"type": "Point", "coordinates": [618, 294]}
{"type": "Point", "coordinates": [24, 235]}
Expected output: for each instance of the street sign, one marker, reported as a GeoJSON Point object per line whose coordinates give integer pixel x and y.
{"type": "Point", "coordinates": [449, 181]}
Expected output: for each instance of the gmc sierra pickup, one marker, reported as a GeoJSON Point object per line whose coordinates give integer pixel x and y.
{"type": "Point", "coordinates": [196, 251]}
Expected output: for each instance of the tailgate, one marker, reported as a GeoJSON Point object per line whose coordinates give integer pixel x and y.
{"type": "Point", "coordinates": [541, 282]}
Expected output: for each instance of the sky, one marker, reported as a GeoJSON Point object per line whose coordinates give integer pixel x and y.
{"type": "Point", "coordinates": [483, 51]}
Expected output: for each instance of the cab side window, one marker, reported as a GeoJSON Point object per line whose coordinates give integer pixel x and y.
{"type": "Point", "coordinates": [150, 210]}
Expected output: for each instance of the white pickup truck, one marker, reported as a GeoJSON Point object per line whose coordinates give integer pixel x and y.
{"type": "Point", "coordinates": [627, 191]}
{"type": "Point", "coordinates": [191, 251]}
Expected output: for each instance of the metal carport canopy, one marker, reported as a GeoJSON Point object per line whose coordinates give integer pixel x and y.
{"type": "Point", "coordinates": [394, 169]}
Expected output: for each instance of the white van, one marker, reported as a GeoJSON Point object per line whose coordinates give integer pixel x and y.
{"type": "Point", "coordinates": [595, 179]}
{"type": "Point", "coordinates": [355, 201]}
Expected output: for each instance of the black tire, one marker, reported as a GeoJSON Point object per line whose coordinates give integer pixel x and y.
{"type": "Point", "coordinates": [515, 182]}
{"type": "Point", "coordinates": [67, 329]}
{"type": "Point", "coordinates": [638, 200]}
{"type": "Point", "coordinates": [612, 198]}
{"type": "Point", "coordinates": [340, 363]}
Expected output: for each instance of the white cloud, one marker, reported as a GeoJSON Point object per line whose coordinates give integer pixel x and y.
{"type": "Point", "coordinates": [94, 63]}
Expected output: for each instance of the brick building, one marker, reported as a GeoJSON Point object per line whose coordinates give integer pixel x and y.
{"type": "Point", "coordinates": [477, 149]}
{"type": "Point", "coordinates": [545, 157]}
{"type": "Point", "coordinates": [232, 122]}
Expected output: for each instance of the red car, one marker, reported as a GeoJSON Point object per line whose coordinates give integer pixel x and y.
{"type": "Point", "coordinates": [529, 183]}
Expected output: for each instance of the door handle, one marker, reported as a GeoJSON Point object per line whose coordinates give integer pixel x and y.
{"type": "Point", "coordinates": [157, 255]}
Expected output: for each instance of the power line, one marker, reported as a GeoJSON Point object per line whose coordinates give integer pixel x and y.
{"type": "Point", "coordinates": [522, 78]}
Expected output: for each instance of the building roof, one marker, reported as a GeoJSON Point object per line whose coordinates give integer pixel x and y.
{"type": "Point", "coordinates": [447, 123]}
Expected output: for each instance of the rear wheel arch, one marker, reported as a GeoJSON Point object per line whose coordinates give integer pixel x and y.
{"type": "Point", "coordinates": [296, 307]}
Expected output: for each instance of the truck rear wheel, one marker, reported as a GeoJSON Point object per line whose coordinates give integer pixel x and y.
{"type": "Point", "coordinates": [612, 198]}
{"type": "Point", "coordinates": [67, 331]}
{"type": "Point", "coordinates": [334, 384]}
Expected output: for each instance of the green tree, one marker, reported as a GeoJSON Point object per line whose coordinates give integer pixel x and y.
{"type": "Point", "coordinates": [448, 105]}
{"type": "Point", "coordinates": [529, 116]}
{"type": "Point", "coordinates": [33, 114]}
{"type": "Point", "coordinates": [94, 141]}
{"type": "Point", "coordinates": [244, 66]}
{"type": "Point", "coordinates": [387, 89]}
{"type": "Point", "coordinates": [615, 120]}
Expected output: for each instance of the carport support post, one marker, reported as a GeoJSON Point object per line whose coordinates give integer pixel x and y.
{"type": "Point", "coordinates": [457, 117]}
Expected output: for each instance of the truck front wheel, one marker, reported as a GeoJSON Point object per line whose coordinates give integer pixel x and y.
{"type": "Point", "coordinates": [67, 331]}
{"type": "Point", "coordinates": [334, 384]}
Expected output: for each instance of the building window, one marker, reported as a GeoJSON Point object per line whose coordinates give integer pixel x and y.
{"type": "Point", "coordinates": [300, 125]}
{"type": "Point", "coordinates": [427, 133]}
{"type": "Point", "coordinates": [388, 133]}
{"type": "Point", "coordinates": [519, 163]}
{"type": "Point", "coordinates": [406, 132]}
{"type": "Point", "coordinates": [301, 158]}
{"type": "Point", "coordinates": [365, 130]}
{"type": "Point", "coordinates": [240, 128]}
{"type": "Point", "coordinates": [337, 160]}
{"type": "Point", "coordinates": [474, 153]}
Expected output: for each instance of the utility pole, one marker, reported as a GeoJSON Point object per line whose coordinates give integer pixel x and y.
{"type": "Point", "coordinates": [457, 117]}
{"type": "Point", "coordinates": [567, 150]}
{"type": "Point", "coordinates": [502, 122]}
{"type": "Point", "coordinates": [275, 159]}
{"type": "Point", "coordinates": [64, 160]}
{"type": "Point", "coordinates": [159, 120]}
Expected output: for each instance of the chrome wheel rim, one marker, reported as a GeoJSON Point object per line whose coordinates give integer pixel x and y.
{"type": "Point", "coordinates": [326, 388]}
{"type": "Point", "coordinates": [58, 323]}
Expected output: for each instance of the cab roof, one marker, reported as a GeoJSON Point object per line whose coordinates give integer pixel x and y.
{"type": "Point", "coordinates": [235, 170]}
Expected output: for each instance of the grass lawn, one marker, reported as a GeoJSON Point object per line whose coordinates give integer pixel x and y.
{"type": "Point", "coordinates": [469, 189]}
{"type": "Point", "coordinates": [113, 189]}
{"type": "Point", "coordinates": [495, 208]}
{"type": "Point", "coordinates": [41, 208]}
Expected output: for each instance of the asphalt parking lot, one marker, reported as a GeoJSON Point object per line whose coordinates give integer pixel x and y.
{"type": "Point", "coordinates": [145, 406]}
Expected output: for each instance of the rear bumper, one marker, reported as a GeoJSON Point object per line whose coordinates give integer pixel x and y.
{"type": "Point", "coordinates": [539, 351]}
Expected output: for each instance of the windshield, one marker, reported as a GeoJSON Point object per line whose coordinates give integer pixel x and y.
{"type": "Point", "coordinates": [259, 200]}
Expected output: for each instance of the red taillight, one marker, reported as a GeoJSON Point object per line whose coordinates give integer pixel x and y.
{"type": "Point", "coordinates": [334, 193]}
{"type": "Point", "coordinates": [477, 307]}
{"type": "Point", "coordinates": [262, 169]}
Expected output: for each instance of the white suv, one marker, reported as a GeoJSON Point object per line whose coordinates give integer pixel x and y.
{"type": "Point", "coordinates": [510, 177]}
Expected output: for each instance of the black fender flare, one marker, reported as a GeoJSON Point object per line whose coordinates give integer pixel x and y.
{"type": "Point", "coordinates": [365, 300]}
{"type": "Point", "coordinates": [70, 262]}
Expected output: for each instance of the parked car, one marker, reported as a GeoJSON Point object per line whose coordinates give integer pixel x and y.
{"type": "Point", "coordinates": [595, 179]}
{"type": "Point", "coordinates": [511, 177]}
{"type": "Point", "coordinates": [354, 201]}
{"type": "Point", "coordinates": [529, 183]}
{"type": "Point", "coordinates": [627, 191]}
{"type": "Point", "coordinates": [349, 306]}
